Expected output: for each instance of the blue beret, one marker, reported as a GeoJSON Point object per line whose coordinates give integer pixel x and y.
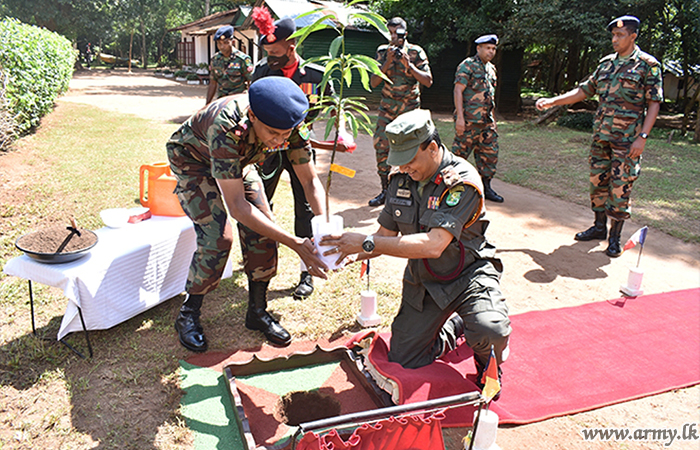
{"type": "Point", "coordinates": [278, 102]}
{"type": "Point", "coordinates": [283, 29]}
{"type": "Point", "coordinates": [225, 32]}
{"type": "Point", "coordinates": [624, 21]}
{"type": "Point", "coordinates": [487, 39]}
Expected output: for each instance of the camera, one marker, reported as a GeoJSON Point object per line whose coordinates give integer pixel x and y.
{"type": "Point", "coordinates": [400, 39]}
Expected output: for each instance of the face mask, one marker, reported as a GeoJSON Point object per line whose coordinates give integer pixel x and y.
{"type": "Point", "coordinates": [277, 62]}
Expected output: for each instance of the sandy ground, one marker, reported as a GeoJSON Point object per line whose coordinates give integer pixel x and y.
{"type": "Point", "coordinates": [544, 267]}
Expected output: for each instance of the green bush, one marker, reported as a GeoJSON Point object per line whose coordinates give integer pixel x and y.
{"type": "Point", "coordinates": [181, 73]}
{"type": "Point", "coordinates": [38, 64]}
{"type": "Point", "coordinates": [578, 121]}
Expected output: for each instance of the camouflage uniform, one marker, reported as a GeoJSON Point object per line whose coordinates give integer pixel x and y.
{"type": "Point", "coordinates": [397, 98]}
{"type": "Point", "coordinates": [219, 142]}
{"type": "Point", "coordinates": [465, 278]}
{"type": "Point", "coordinates": [231, 74]}
{"type": "Point", "coordinates": [624, 87]}
{"type": "Point", "coordinates": [478, 103]}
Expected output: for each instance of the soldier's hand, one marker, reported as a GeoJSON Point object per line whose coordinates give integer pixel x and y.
{"type": "Point", "coordinates": [637, 148]}
{"type": "Point", "coordinates": [460, 126]}
{"type": "Point", "coordinates": [308, 253]}
{"type": "Point", "coordinates": [343, 245]}
{"type": "Point", "coordinates": [543, 103]}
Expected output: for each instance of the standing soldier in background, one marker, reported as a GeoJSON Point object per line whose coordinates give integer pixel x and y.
{"type": "Point", "coordinates": [406, 65]}
{"type": "Point", "coordinates": [230, 70]}
{"type": "Point", "coordinates": [474, 98]}
{"type": "Point", "coordinates": [283, 60]}
{"type": "Point", "coordinates": [627, 83]}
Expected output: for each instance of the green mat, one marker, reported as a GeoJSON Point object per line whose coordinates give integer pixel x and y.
{"type": "Point", "coordinates": [208, 410]}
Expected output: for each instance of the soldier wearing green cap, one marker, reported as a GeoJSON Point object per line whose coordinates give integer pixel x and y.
{"type": "Point", "coordinates": [629, 86]}
{"type": "Point", "coordinates": [434, 216]}
{"type": "Point", "coordinates": [213, 156]}
{"type": "Point", "coordinates": [230, 69]}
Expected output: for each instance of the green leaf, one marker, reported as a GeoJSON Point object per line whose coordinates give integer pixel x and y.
{"type": "Point", "coordinates": [303, 33]}
{"type": "Point", "coordinates": [373, 19]}
{"type": "Point", "coordinates": [329, 128]}
{"type": "Point", "coordinates": [348, 77]}
{"type": "Point", "coordinates": [335, 46]}
{"type": "Point", "coordinates": [364, 78]}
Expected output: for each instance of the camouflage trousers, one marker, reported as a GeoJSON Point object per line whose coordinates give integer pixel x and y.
{"type": "Point", "coordinates": [203, 203]}
{"type": "Point", "coordinates": [483, 140]}
{"type": "Point", "coordinates": [612, 174]}
{"type": "Point", "coordinates": [389, 109]}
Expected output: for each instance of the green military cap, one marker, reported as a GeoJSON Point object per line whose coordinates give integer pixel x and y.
{"type": "Point", "coordinates": [406, 133]}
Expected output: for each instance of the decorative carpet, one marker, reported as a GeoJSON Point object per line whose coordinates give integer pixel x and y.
{"type": "Point", "coordinates": [569, 360]}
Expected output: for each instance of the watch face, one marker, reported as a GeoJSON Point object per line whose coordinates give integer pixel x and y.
{"type": "Point", "coordinates": [368, 246]}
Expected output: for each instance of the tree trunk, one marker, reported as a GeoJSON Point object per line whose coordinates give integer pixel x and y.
{"type": "Point", "coordinates": [131, 46]}
{"type": "Point", "coordinates": [207, 7]}
{"type": "Point", "coordinates": [143, 44]}
{"type": "Point", "coordinates": [688, 108]}
{"type": "Point", "coordinates": [573, 62]}
{"type": "Point", "coordinates": [696, 138]}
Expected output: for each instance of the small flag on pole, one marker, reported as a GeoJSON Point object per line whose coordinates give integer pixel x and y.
{"type": "Point", "coordinates": [638, 237]}
{"type": "Point", "coordinates": [490, 378]}
{"type": "Point", "coordinates": [364, 268]}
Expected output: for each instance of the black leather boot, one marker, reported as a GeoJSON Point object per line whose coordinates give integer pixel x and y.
{"type": "Point", "coordinates": [489, 193]}
{"type": "Point", "coordinates": [598, 231]}
{"type": "Point", "coordinates": [190, 332]}
{"type": "Point", "coordinates": [614, 248]}
{"type": "Point", "coordinates": [305, 286]}
{"type": "Point", "coordinates": [257, 318]}
{"type": "Point", "coordinates": [381, 198]}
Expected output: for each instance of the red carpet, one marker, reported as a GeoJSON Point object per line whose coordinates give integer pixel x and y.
{"type": "Point", "coordinates": [570, 360]}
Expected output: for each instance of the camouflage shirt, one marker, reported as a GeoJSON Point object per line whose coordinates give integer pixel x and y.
{"type": "Point", "coordinates": [221, 141]}
{"type": "Point", "coordinates": [405, 87]}
{"type": "Point", "coordinates": [624, 87]}
{"type": "Point", "coordinates": [478, 97]}
{"type": "Point", "coordinates": [232, 73]}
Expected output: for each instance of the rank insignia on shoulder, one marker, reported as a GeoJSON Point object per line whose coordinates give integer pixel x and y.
{"type": "Point", "coordinates": [403, 193]}
{"type": "Point", "coordinates": [454, 195]}
{"type": "Point", "coordinates": [438, 179]}
{"type": "Point", "coordinates": [433, 202]}
{"type": "Point", "coordinates": [304, 132]}
{"type": "Point", "coordinates": [451, 176]}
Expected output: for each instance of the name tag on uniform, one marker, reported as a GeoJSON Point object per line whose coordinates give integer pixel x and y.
{"type": "Point", "coordinates": [401, 201]}
{"type": "Point", "coordinates": [403, 193]}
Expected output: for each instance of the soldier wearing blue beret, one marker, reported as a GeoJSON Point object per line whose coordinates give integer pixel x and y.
{"type": "Point", "coordinates": [213, 156]}
{"type": "Point", "coordinates": [630, 88]}
{"type": "Point", "coordinates": [230, 70]}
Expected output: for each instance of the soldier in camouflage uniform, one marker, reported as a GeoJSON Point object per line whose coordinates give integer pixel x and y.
{"type": "Point", "coordinates": [474, 98]}
{"type": "Point", "coordinates": [213, 156]}
{"type": "Point", "coordinates": [406, 65]}
{"type": "Point", "coordinates": [628, 84]}
{"type": "Point", "coordinates": [230, 70]}
{"type": "Point", "coordinates": [435, 217]}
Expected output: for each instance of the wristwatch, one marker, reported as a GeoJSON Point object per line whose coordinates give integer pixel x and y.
{"type": "Point", "coordinates": [643, 135]}
{"type": "Point", "coordinates": [368, 244]}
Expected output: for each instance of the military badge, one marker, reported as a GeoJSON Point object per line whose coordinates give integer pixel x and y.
{"type": "Point", "coordinates": [403, 193]}
{"type": "Point", "coordinates": [401, 181]}
{"type": "Point", "coordinates": [655, 70]}
{"type": "Point", "coordinates": [438, 179]}
{"type": "Point", "coordinates": [432, 202]}
{"type": "Point", "coordinates": [454, 195]}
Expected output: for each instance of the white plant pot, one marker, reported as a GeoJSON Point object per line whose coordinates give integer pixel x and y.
{"type": "Point", "coordinates": [180, 79]}
{"type": "Point", "coordinates": [192, 81]}
{"type": "Point", "coordinates": [322, 228]}
{"type": "Point", "coordinates": [169, 75]}
{"type": "Point", "coordinates": [202, 72]}
{"type": "Point", "coordinates": [368, 316]}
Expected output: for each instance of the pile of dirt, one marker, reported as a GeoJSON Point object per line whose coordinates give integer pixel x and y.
{"type": "Point", "coordinates": [49, 240]}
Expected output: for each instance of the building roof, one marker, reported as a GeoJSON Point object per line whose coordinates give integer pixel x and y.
{"type": "Point", "coordinates": [212, 22]}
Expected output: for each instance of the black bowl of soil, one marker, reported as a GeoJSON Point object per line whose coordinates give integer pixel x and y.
{"type": "Point", "coordinates": [42, 245]}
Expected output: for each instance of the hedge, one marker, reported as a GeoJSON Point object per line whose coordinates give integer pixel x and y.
{"type": "Point", "coordinates": [38, 64]}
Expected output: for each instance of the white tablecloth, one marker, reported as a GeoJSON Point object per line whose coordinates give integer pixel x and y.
{"type": "Point", "coordinates": [130, 270]}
